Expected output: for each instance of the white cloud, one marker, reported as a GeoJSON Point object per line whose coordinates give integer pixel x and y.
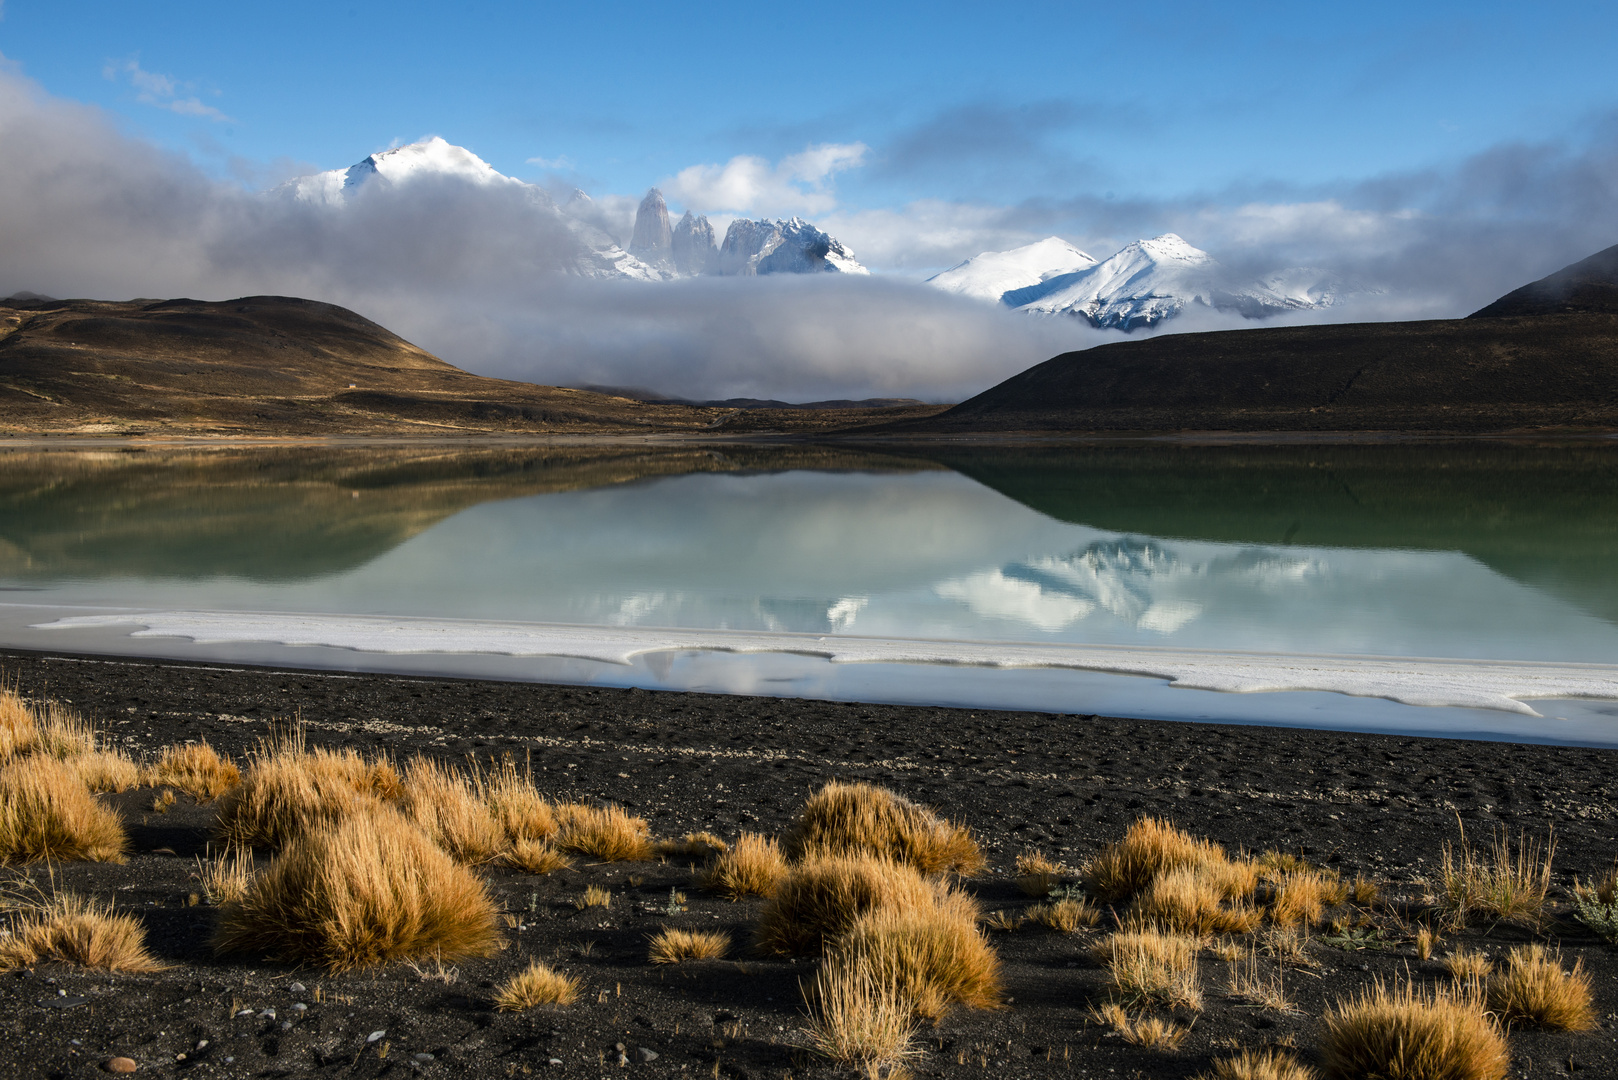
{"type": "Point", "coordinates": [161, 91]}
{"type": "Point", "coordinates": [555, 164]}
{"type": "Point", "coordinates": [797, 184]}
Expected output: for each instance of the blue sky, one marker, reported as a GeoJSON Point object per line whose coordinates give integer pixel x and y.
{"type": "Point", "coordinates": [963, 102]}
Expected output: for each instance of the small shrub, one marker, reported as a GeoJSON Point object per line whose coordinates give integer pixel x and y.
{"type": "Point", "coordinates": [935, 955]}
{"type": "Point", "coordinates": [1468, 965]}
{"type": "Point", "coordinates": [846, 819]}
{"type": "Point", "coordinates": [857, 1019]}
{"type": "Point", "coordinates": [693, 845]}
{"type": "Point", "coordinates": [822, 897]}
{"type": "Point", "coordinates": [1596, 905]}
{"type": "Point", "coordinates": [537, 984]}
{"type": "Point", "coordinates": [1065, 916]}
{"type": "Point", "coordinates": [534, 857]}
{"type": "Point", "coordinates": [607, 833]}
{"type": "Point", "coordinates": [75, 930]}
{"type": "Point", "coordinates": [226, 878]}
{"type": "Point", "coordinates": [444, 805]}
{"type": "Point", "coordinates": [1504, 883]}
{"type": "Point", "coordinates": [753, 866]}
{"type": "Point", "coordinates": [46, 812]}
{"type": "Point", "coordinates": [196, 769]}
{"type": "Point", "coordinates": [366, 889]}
{"type": "Point", "coordinates": [1038, 875]}
{"type": "Point", "coordinates": [1152, 847]}
{"type": "Point", "coordinates": [1149, 1032]}
{"type": "Point", "coordinates": [1535, 989]}
{"type": "Point", "coordinates": [1412, 1035]}
{"type": "Point", "coordinates": [670, 946]}
{"type": "Point", "coordinates": [1152, 968]}
{"type": "Point", "coordinates": [1267, 1064]}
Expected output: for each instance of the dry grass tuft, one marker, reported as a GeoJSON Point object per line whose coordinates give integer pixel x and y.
{"type": "Point", "coordinates": [935, 955]}
{"type": "Point", "coordinates": [1065, 916]}
{"type": "Point", "coordinates": [1038, 875]}
{"type": "Point", "coordinates": [535, 857]}
{"type": "Point", "coordinates": [105, 770]}
{"type": "Point", "coordinates": [1468, 965]}
{"type": "Point", "coordinates": [1505, 883]}
{"type": "Point", "coordinates": [18, 730]}
{"type": "Point", "coordinates": [164, 801]}
{"type": "Point", "coordinates": [1301, 897]}
{"type": "Point", "coordinates": [1248, 984]}
{"type": "Point", "coordinates": [1150, 1032]}
{"type": "Point", "coordinates": [1267, 1064]}
{"type": "Point", "coordinates": [288, 788]}
{"type": "Point", "coordinates": [1365, 891]}
{"type": "Point", "coordinates": [1189, 900]}
{"type": "Point", "coordinates": [857, 1018]}
{"type": "Point", "coordinates": [63, 733]}
{"type": "Point", "coordinates": [847, 819]}
{"type": "Point", "coordinates": [364, 890]}
{"type": "Point", "coordinates": [1406, 1034]}
{"type": "Point", "coordinates": [1535, 989]}
{"type": "Point", "coordinates": [226, 878]}
{"type": "Point", "coordinates": [753, 866]}
{"type": "Point", "coordinates": [670, 946]}
{"type": "Point", "coordinates": [1152, 968]}
{"type": "Point", "coordinates": [594, 896]}
{"type": "Point", "coordinates": [196, 769]}
{"type": "Point", "coordinates": [607, 833]}
{"type": "Point", "coordinates": [693, 845]}
{"type": "Point", "coordinates": [537, 984]}
{"type": "Point", "coordinates": [445, 805]}
{"type": "Point", "coordinates": [1152, 847]}
{"type": "Point", "coordinates": [46, 812]}
{"type": "Point", "coordinates": [822, 897]}
{"type": "Point", "coordinates": [75, 930]}
{"type": "Point", "coordinates": [519, 811]}
{"type": "Point", "coordinates": [1425, 940]}
{"type": "Point", "coordinates": [1289, 945]}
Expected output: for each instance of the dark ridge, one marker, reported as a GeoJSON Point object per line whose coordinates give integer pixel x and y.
{"type": "Point", "coordinates": [1588, 287]}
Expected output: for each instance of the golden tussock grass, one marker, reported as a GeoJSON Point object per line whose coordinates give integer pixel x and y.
{"type": "Point", "coordinates": [1266, 1064]}
{"type": "Point", "coordinates": [935, 955]}
{"type": "Point", "coordinates": [1468, 965]}
{"type": "Point", "coordinates": [1249, 984]}
{"type": "Point", "coordinates": [1152, 847]}
{"type": "Point", "coordinates": [608, 833]}
{"type": "Point", "coordinates": [1410, 1034]}
{"type": "Point", "coordinates": [18, 731]}
{"type": "Point", "coordinates": [693, 845]}
{"type": "Point", "coordinates": [537, 984]}
{"type": "Point", "coordinates": [858, 1019]}
{"type": "Point", "coordinates": [1065, 916]}
{"type": "Point", "coordinates": [518, 809]}
{"type": "Point", "coordinates": [366, 889]}
{"type": "Point", "coordinates": [1148, 1032]}
{"type": "Point", "coordinates": [753, 866]}
{"type": "Point", "coordinates": [1505, 883]}
{"type": "Point", "coordinates": [196, 769]}
{"type": "Point", "coordinates": [594, 896]}
{"type": "Point", "coordinates": [164, 801]}
{"type": "Point", "coordinates": [63, 735]}
{"type": "Point", "coordinates": [1152, 968]}
{"type": "Point", "coordinates": [47, 812]}
{"type": "Point", "coordinates": [1302, 897]}
{"type": "Point", "coordinates": [105, 770]}
{"type": "Point", "coordinates": [822, 897]}
{"type": "Point", "coordinates": [75, 930]}
{"type": "Point", "coordinates": [1426, 939]}
{"type": "Point", "coordinates": [226, 878]}
{"type": "Point", "coordinates": [288, 788]}
{"type": "Point", "coordinates": [443, 804]}
{"type": "Point", "coordinates": [535, 857]}
{"type": "Point", "coordinates": [1364, 891]}
{"type": "Point", "coordinates": [1037, 875]}
{"type": "Point", "coordinates": [670, 946]}
{"type": "Point", "coordinates": [848, 819]}
{"type": "Point", "coordinates": [1289, 945]}
{"type": "Point", "coordinates": [1535, 989]}
{"type": "Point", "coordinates": [1189, 900]}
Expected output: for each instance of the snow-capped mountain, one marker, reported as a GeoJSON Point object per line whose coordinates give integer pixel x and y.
{"type": "Point", "coordinates": [750, 248]}
{"type": "Point", "coordinates": [989, 275]}
{"type": "Point", "coordinates": [430, 157]}
{"type": "Point", "coordinates": [1140, 286]}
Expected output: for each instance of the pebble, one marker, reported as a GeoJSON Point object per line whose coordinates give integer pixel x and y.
{"type": "Point", "coordinates": [555, 1061]}
{"type": "Point", "coordinates": [245, 1012]}
{"type": "Point", "coordinates": [647, 1055]}
{"type": "Point", "coordinates": [296, 988]}
{"type": "Point", "coordinates": [120, 1065]}
{"type": "Point", "coordinates": [424, 1056]}
{"type": "Point", "coordinates": [300, 1007]}
{"type": "Point", "coordinates": [267, 1014]}
{"type": "Point", "coordinates": [286, 1025]}
{"type": "Point", "coordinates": [375, 1036]}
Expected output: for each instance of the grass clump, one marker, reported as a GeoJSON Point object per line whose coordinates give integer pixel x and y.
{"type": "Point", "coordinates": [1266, 1064]}
{"type": "Point", "coordinates": [367, 889]}
{"type": "Point", "coordinates": [1505, 883]}
{"type": "Point", "coordinates": [935, 955]}
{"type": "Point", "coordinates": [443, 804]}
{"type": "Point", "coordinates": [857, 1018]}
{"type": "Point", "coordinates": [849, 819]}
{"type": "Point", "coordinates": [693, 845]}
{"type": "Point", "coordinates": [1596, 905]}
{"type": "Point", "coordinates": [1149, 967]}
{"type": "Point", "coordinates": [535, 857]}
{"type": "Point", "coordinates": [594, 896]}
{"type": "Point", "coordinates": [75, 930]}
{"type": "Point", "coordinates": [1152, 847]}
{"type": "Point", "coordinates": [1535, 989]}
{"type": "Point", "coordinates": [670, 946]}
{"type": "Point", "coordinates": [105, 770]}
{"type": "Point", "coordinates": [1407, 1034]}
{"type": "Point", "coordinates": [519, 811]}
{"type": "Point", "coordinates": [537, 984]}
{"type": "Point", "coordinates": [196, 769]}
{"type": "Point", "coordinates": [1037, 875]}
{"type": "Point", "coordinates": [1189, 899]}
{"type": "Point", "coordinates": [289, 788]}
{"type": "Point", "coordinates": [608, 833]}
{"type": "Point", "coordinates": [822, 897]}
{"type": "Point", "coordinates": [225, 878]}
{"type": "Point", "coordinates": [1302, 897]}
{"type": "Point", "coordinates": [753, 866]}
{"type": "Point", "coordinates": [1066, 916]}
{"type": "Point", "coordinates": [1149, 1032]}
{"type": "Point", "coordinates": [1248, 984]}
{"type": "Point", "coordinates": [1468, 965]}
{"type": "Point", "coordinates": [47, 812]}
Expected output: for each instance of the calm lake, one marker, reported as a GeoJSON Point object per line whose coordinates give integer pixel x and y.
{"type": "Point", "coordinates": [1452, 588]}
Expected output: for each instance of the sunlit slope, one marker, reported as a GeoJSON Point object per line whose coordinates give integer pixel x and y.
{"type": "Point", "coordinates": [292, 514]}
{"type": "Point", "coordinates": [1546, 516]}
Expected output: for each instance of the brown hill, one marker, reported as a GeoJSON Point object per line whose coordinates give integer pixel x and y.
{"type": "Point", "coordinates": [1546, 359]}
{"type": "Point", "coordinates": [276, 365]}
